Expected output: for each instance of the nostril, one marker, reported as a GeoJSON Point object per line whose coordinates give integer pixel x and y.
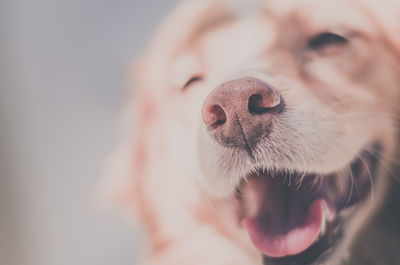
{"type": "Point", "coordinates": [259, 104]}
{"type": "Point", "coordinates": [215, 116]}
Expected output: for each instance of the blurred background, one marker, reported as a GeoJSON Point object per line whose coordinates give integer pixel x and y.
{"type": "Point", "coordinates": [62, 84]}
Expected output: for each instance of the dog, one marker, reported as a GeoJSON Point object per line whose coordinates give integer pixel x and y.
{"type": "Point", "coordinates": [265, 132]}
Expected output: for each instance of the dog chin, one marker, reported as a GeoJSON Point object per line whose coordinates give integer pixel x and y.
{"type": "Point", "coordinates": [295, 216]}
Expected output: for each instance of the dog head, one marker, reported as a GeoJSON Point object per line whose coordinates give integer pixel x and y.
{"type": "Point", "coordinates": [272, 122]}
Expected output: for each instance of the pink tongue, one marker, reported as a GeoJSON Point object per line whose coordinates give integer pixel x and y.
{"type": "Point", "coordinates": [294, 241]}
{"type": "Point", "coordinates": [275, 219]}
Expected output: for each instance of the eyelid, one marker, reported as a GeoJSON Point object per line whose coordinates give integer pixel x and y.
{"type": "Point", "coordinates": [323, 39]}
{"type": "Point", "coordinates": [191, 81]}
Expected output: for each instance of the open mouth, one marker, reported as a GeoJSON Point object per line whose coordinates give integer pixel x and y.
{"type": "Point", "coordinates": [295, 218]}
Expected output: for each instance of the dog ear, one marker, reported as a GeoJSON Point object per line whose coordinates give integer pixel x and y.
{"type": "Point", "coordinates": [124, 169]}
{"type": "Point", "coordinates": [117, 174]}
{"type": "Point", "coordinates": [125, 166]}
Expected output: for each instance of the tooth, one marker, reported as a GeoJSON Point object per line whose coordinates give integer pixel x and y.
{"type": "Point", "coordinates": [327, 215]}
{"type": "Point", "coordinates": [323, 225]}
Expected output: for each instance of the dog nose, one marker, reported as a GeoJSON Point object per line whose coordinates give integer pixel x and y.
{"type": "Point", "coordinates": [240, 112]}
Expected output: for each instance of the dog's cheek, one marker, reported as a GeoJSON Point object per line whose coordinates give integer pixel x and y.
{"type": "Point", "coordinates": [183, 123]}
{"type": "Point", "coordinates": [182, 127]}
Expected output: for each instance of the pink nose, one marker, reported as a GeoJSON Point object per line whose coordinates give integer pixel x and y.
{"type": "Point", "coordinates": [241, 112]}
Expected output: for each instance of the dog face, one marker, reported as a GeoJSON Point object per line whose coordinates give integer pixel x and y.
{"type": "Point", "coordinates": [266, 125]}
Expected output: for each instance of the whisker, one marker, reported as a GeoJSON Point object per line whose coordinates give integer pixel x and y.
{"type": "Point", "coordinates": [300, 180]}
{"type": "Point", "coordinates": [351, 186]}
{"type": "Point", "coordinates": [370, 178]}
{"type": "Point", "coordinates": [369, 114]}
{"type": "Point", "coordinates": [384, 163]}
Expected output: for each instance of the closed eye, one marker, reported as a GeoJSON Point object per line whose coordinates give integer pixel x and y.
{"type": "Point", "coordinates": [321, 41]}
{"type": "Point", "coordinates": [192, 81]}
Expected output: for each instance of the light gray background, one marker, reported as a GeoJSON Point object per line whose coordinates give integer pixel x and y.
{"type": "Point", "coordinates": [61, 86]}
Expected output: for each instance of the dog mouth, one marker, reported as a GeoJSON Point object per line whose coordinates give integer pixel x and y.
{"type": "Point", "coordinates": [296, 218]}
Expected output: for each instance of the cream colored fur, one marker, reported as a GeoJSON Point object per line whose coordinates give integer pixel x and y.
{"type": "Point", "coordinates": [178, 180]}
